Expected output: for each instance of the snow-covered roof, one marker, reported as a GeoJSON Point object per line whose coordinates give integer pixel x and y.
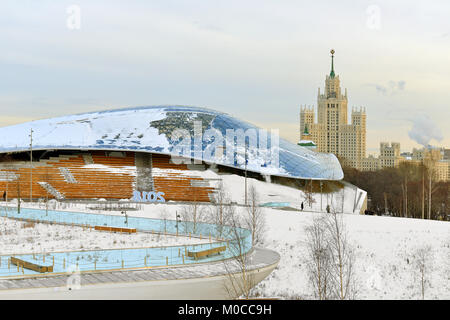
{"type": "Point", "coordinates": [305, 143]}
{"type": "Point", "coordinates": [154, 129]}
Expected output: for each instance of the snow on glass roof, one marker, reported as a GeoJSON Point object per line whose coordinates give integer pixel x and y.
{"type": "Point", "coordinates": [189, 132]}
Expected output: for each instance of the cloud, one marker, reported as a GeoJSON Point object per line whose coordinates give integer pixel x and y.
{"type": "Point", "coordinates": [424, 130]}
{"type": "Point", "coordinates": [393, 87]}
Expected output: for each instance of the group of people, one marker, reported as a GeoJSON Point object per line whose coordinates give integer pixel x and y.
{"type": "Point", "coordinates": [328, 207]}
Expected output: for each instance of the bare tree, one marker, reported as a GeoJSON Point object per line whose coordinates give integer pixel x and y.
{"type": "Point", "coordinates": [163, 216]}
{"type": "Point", "coordinates": [46, 178]}
{"type": "Point", "coordinates": [422, 168]}
{"type": "Point", "coordinates": [430, 163]}
{"type": "Point", "coordinates": [254, 218]}
{"type": "Point", "coordinates": [318, 257]}
{"type": "Point", "coordinates": [240, 280]}
{"type": "Point", "coordinates": [406, 170]}
{"type": "Point", "coordinates": [9, 177]}
{"type": "Point", "coordinates": [447, 269]}
{"type": "Point", "coordinates": [18, 183]}
{"type": "Point", "coordinates": [192, 214]}
{"type": "Point", "coordinates": [342, 258]}
{"type": "Point", "coordinates": [423, 263]}
{"type": "Point", "coordinates": [308, 194]}
{"type": "Point", "coordinates": [220, 211]}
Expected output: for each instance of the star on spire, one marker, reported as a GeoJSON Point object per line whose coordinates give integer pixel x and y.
{"type": "Point", "coordinates": [332, 63]}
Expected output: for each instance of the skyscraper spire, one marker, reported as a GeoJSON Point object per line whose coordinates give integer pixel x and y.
{"type": "Point", "coordinates": [306, 131]}
{"type": "Point", "coordinates": [332, 63]}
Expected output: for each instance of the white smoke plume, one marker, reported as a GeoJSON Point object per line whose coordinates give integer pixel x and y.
{"type": "Point", "coordinates": [424, 130]}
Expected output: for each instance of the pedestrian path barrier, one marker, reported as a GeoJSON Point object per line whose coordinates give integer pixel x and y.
{"type": "Point", "coordinates": [226, 240]}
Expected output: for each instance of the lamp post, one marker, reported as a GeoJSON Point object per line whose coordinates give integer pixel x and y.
{"type": "Point", "coordinates": [321, 195]}
{"type": "Point", "coordinates": [31, 165]}
{"type": "Point", "coordinates": [246, 160]}
{"type": "Point", "coordinates": [239, 152]}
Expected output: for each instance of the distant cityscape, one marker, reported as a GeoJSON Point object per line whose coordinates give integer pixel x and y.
{"type": "Point", "coordinates": [332, 134]}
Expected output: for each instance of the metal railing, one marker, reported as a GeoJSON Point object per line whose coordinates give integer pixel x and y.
{"type": "Point", "coordinates": [130, 258]}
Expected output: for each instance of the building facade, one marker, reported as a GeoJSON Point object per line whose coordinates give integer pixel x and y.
{"type": "Point", "coordinates": [434, 159]}
{"type": "Point", "coordinates": [332, 133]}
{"type": "Point", "coordinates": [390, 157]}
{"type": "Point", "coordinates": [371, 163]}
{"type": "Point", "coordinates": [133, 153]}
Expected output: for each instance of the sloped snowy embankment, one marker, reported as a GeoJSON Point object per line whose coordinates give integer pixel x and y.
{"type": "Point", "coordinates": [384, 255]}
{"type": "Point", "coordinates": [384, 245]}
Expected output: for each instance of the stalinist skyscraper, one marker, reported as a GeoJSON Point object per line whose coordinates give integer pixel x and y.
{"type": "Point", "coordinates": [332, 133]}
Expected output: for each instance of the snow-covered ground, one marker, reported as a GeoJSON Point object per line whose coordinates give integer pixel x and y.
{"type": "Point", "coordinates": [384, 246]}
{"type": "Point", "coordinates": [349, 199]}
{"type": "Point", "coordinates": [17, 237]}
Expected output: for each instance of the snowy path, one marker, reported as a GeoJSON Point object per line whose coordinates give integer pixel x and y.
{"type": "Point", "coordinates": [202, 281]}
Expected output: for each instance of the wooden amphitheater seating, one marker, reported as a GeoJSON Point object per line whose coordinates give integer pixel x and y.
{"type": "Point", "coordinates": [178, 187]}
{"type": "Point", "coordinates": [116, 180]}
{"type": "Point", "coordinates": [90, 182]}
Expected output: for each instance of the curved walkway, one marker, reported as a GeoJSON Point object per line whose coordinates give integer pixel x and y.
{"type": "Point", "coordinates": [201, 281]}
{"type": "Point", "coordinates": [111, 259]}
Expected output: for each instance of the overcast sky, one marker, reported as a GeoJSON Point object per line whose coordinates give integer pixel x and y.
{"type": "Point", "coordinates": [256, 60]}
